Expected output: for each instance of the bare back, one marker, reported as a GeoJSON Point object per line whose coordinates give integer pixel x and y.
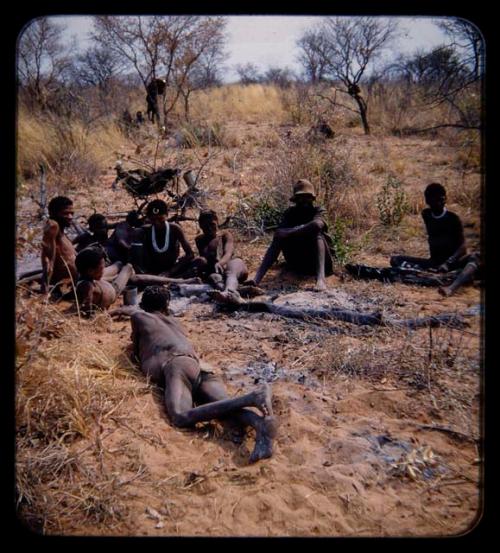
{"type": "Point", "coordinates": [158, 337]}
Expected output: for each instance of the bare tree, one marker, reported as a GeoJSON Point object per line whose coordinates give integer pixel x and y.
{"type": "Point", "coordinates": [158, 46]}
{"type": "Point", "coordinates": [97, 67]}
{"type": "Point", "coordinates": [349, 46]}
{"type": "Point", "coordinates": [279, 76]}
{"type": "Point", "coordinates": [311, 55]}
{"type": "Point", "coordinates": [41, 60]}
{"type": "Point", "coordinates": [201, 48]}
{"type": "Point", "coordinates": [206, 72]}
{"type": "Point", "coordinates": [467, 38]}
{"type": "Point", "coordinates": [248, 73]}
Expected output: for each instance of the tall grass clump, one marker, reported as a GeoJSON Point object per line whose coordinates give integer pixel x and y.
{"type": "Point", "coordinates": [72, 151]}
{"type": "Point", "coordinates": [67, 387]}
{"type": "Point", "coordinates": [246, 103]}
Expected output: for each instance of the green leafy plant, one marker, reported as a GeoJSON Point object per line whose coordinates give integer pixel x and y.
{"type": "Point", "coordinates": [341, 247]}
{"type": "Point", "coordinates": [392, 202]}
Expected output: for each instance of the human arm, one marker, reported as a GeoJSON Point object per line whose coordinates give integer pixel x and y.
{"type": "Point", "coordinates": [183, 241]}
{"type": "Point", "coordinates": [457, 232]}
{"type": "Point", "coordinates": [316, 225]}
{"type": "Point", "coordinates": [227, 252]}
{"type": "Point", "coordinates": [48, 253]}
{"type": "Point", "coordinates": [85, 296]}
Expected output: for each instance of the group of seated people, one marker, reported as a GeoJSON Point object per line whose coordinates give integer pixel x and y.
{"type": "Point", "coordinates": [148, 255]}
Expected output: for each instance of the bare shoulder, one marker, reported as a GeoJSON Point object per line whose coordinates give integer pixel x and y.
{"type": "Point", "coordinates": [176, 229]}
{"type": "Point", "coordinates": [226, 235]}
{"type": "Point", "coordinates": [51, 228]}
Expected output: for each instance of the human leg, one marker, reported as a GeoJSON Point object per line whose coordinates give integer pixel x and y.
{"type": "Point", "coordinates": [212, 390]}
{"type": "Point", "coordinates": [321, 253]}
{"type": "Point", "coordinates": [236, 271]}
{"type": "Point", "coordinates": [270, 257]}
{"type": "Point", "coordinates": [464, 277]}
{"type": "Point", "coordinates": [152, 280]}
{"type": "Point", "coordinates": [112, 270]}
{"type": "Point", "coordinates": [183, 370]}
{"type": "Point", "coordinates": [123, 277]}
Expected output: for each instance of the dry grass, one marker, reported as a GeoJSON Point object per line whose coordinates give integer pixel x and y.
{"type": "Point", "coordinates": [74, 378]}
{"type": "Point", "coordinates": [68, 387]}
{"type": "Point", "coordinates": [73, 152]}
{"type": "Point", "coordinates": [252, 103]}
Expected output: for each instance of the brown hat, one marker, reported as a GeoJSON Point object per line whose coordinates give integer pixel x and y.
{"type": "Point", "coordinates": [302, 187]}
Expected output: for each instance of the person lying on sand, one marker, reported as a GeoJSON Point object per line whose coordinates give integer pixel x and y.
{"type": "Point", "coordinates": [192, 395]}
{"type": "Point", "coordinates": [302, 238]}
{"type": "Point", "coordinates": [92, 290]}
{"type": "Point", "coordinates": [446, 240]}
{"type": "Point", "coordinates": [216, 263]}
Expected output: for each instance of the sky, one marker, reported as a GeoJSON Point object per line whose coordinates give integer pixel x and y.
{"type": "Point", "coordinates": [270, 40]}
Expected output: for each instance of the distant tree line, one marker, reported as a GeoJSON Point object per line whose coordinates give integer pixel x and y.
{"type": "Point", "coordinates": [341, 57]}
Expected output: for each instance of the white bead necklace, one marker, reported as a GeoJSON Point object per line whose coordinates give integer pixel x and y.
{"type": "Point", "coordinates": [156, 248]}
{"type": "Point", "coordinates": [439, 216]}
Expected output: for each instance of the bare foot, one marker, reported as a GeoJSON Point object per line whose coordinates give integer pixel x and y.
{"type": "Point", "coordinates": [320, 286]}
{"type": "Point", "coordinates": [228, 298]}
{"type": "Point", "coordinates": [263, 397]}
{"type": "Point", "coordinates": [445, 291]}
{"type": "Point", "coordinates": [248, 291]}
{"type": "Point", "coordinates": [263, 440]}
{"type": "Point", "coordinates": [216, 280]}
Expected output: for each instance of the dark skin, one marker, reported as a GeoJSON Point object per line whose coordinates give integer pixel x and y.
{"type": "Point", "coordinates": [96, 292]}
{"type": "Point", "coordinates": [313, 227]}
{"type": "Point", "coordinates": [58, 253]}
{"type": "Point", "coordinates": [437, 202]}
{"type": "Point", "coordinates": [122, 238]}
{"type": "Point", "coordinates": [168, 358]}
{"type": "Point", "coordinates": [99, 232]}
{"type": "Point", "coordinates": [158, 221]}
{"type": "Point", "coordinates": [225, 273]}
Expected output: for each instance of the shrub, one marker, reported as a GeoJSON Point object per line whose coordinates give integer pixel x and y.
{"type": "Point", "coordinates": [392, 202]}
{"type": "Point", "coordinates": [341, 246]}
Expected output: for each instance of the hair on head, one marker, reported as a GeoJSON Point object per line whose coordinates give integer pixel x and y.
{"type": "Point", "coordinates": [207, 215]}
{"type": "Point", "coordinates": [157, 207]}
{"type": "Point", "coordinates": [88, 258]}
{"type": "Point", "coordinates": [155, 298]}
{"type": "Point", "coordinates": [434, 189]}
{"type": "Point", "coordinates": [57, 204]}
{"type": "Point", "coordinates": [97, 220]}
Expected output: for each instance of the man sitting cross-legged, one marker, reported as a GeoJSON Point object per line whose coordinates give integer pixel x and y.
{"type": "Point", "coordinates": [302, 238]}
{"type": "Point", "coordinates": [192, 395]}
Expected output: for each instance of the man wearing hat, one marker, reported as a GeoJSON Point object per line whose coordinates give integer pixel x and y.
{"type": "Point", "coordinates": [302, 238]}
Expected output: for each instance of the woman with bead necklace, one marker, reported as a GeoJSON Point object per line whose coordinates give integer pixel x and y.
{"type": "Point", "coordinates": [446, 242]}
{"type": "Point", "coordinates": [162, 243]}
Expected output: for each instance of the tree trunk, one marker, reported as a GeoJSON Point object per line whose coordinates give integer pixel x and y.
{"type": "Point", "coordinates": [363, 112]}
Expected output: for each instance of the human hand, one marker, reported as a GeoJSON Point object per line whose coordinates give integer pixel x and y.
{"type": "Point", "coordinates": [443, 268]}
{"type": "Point", "coordinates": [219, 269]}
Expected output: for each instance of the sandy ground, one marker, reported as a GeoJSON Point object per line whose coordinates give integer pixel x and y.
{"type": "Point", "coordinates": [378, 428]}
